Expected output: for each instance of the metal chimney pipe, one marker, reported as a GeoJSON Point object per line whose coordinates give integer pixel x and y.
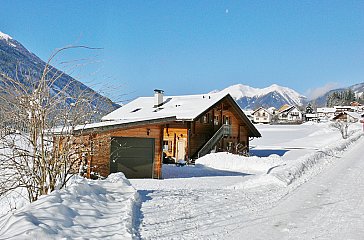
{"type": "Point", "coordinates": [158, 97]}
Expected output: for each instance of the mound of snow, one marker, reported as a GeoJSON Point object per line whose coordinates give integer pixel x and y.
{"type": "Point", "coordinates": [86, 209]}
{"type": "Point", "coordinates": [295, 169]}
{"type": "Point", "coordinates": [236, 163]}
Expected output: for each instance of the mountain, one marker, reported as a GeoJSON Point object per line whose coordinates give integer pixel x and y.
{"type": "Point", "coordinates": [19, 63]}
{"type": "Point", "coordinates": [272, 96]}
{"type": "Point", "coordinates": [358, 89]}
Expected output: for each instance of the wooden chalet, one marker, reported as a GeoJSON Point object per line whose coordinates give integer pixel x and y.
{"type": "Point", "coordinates": [134, 138]}
{"type": "Point", "coordinates": [348, 117]}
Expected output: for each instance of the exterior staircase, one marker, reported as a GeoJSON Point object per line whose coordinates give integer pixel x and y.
{"type": "Point", "coordinates": [224, 130]}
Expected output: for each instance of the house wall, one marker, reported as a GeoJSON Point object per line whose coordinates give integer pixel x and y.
{"type": "Point", "coordinates": [295, 115]}
{"type": "Point", "coordinates": [239, 133]}
{"type": "Point", "coordinates": [201, 131]}
{"type": "Point", "coordinates": [98, 146]}
{"type": "Point", "coordinates": [171, 136]}
{"type": "Point", "coordinates": [262, 116]}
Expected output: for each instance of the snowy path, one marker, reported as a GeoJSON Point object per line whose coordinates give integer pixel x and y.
{"type": "Point", "coordinates": [329, 206]}
{"type": "Point", "coordinates": [198, 207]}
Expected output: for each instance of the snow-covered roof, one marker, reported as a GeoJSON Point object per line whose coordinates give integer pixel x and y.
{"type": "Point", "coordinates": [354, 115]}
{"type": "Point", "coordinates": [262, 108]}
{"type": "Point", "coordinates": [248, 112]}
{"type": "Point", "coordinates": [344, 107]}
{"type": "Point", "coordinates": [119, 122]}
{"type": "Point", "coordinates": [142, 111]}
{"type": "Point", "coordinates": [289, 109]}
{"type": "Point", "coordinates": [187, 107]}
{"type": "Point", "coordinates": [326, 110]}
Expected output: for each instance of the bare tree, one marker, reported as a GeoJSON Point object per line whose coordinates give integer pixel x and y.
{"type": "Point", "coordinates": [37, 150]}
{"type": "Point", "coordinates": [342, 126]}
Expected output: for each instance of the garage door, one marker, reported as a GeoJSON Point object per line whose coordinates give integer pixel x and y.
{"type": "Point", "coordinates": [132, 156]}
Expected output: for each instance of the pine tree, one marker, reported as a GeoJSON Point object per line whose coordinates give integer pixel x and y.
{"type": "Point", "coordinates": [309, 108]}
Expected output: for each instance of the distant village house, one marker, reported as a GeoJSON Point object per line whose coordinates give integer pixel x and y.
{"type": "Point", "coordinates": [290, 114]}
{"type": "Point", "coordinates": [262, 115]}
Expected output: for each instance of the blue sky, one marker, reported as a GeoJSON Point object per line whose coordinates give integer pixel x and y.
{"type": "Point", "coordinates": [188, 47]}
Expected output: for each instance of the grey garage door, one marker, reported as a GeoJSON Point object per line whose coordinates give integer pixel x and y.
{"type": "Point", "coordinates": [132, 156]}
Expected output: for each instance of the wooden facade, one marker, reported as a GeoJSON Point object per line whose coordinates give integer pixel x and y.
{"type": "Point", "coordinates": [177, 139]}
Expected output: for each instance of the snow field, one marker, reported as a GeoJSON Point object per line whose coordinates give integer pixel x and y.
{"type": "Point", "coordinates": [215, 199]}
{"type": "Point", "coordinates": [217, 206]}
{"type": "Point", "coordinates": [329, 206]}
{"type": "Point", "coordinates": [86, 209]}
{"type": "Point", "coordinates": [293, 170]}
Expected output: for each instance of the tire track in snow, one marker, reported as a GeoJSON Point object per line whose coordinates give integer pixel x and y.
{"type": "Point", "coordinates": [329, 206]}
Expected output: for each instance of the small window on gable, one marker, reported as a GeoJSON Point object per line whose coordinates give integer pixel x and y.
{"type": "Point", "coordinates": [158, 109]}
{"type": "Point", "coordinates": [135, 110]}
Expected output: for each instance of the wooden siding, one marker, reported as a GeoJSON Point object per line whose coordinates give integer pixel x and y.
{"type": "Point", "coordinates": [238, 133]}
{"type": "Point", "coordinates": [98, 147]}
{"type": "Point", "coordinates": [201, 132]}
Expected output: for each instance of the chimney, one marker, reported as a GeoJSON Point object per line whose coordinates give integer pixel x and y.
{"type": "Point", "coordinates": [158, 97]}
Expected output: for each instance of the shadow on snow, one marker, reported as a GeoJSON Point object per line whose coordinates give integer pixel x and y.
{"type": "Point", "coordinates": [190, 171]}
{"type": "Point", "coordinates": [267, 152]}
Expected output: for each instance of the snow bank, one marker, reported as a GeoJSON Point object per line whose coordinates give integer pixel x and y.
{"type": "Point", "coordinates": [231, 162]}
{"type": "Point", "coordinates": [85, 209]}
{"type": "Point", "coordinates": [293, 170]}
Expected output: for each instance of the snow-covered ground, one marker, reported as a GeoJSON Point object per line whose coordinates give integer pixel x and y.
{"type": "Point", "coordinates": [189, 204]}
{"type": "Point", "coordinates": [303, 181]}
{"type": "Point", "coordinates": [329, 206]}
{"type": "Point", "coordinates": [85, 210]}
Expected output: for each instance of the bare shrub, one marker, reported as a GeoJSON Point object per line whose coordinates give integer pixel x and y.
{"type": "Point", "coordinates": [37, 150]}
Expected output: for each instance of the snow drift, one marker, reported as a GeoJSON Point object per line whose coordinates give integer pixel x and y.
{"type": "Point", "coordinates": [232, 162]}
{"type": "Point", "coordinates": [85, 209]}
{"type": "Point", "coordinates": [293, 170]}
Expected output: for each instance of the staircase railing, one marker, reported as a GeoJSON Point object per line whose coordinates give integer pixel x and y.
{"type": "Point", "coordinates": [224, 130]}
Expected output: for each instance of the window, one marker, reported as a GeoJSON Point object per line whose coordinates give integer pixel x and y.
{"type": "Point", "coordinates": [135, 110]}
{"type": "Point", "coordinates": [206, 118]}
{"type": "Point", "coordinates": [158, 109]}
{"type": "Point", "coordinates": [227, 120]}
{"type": "Point", "coordinates": [216, 120]}
{"type": "Point", "coordinates": [167, 146]}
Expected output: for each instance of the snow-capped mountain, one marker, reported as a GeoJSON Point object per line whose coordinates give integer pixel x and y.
{"type": "Point", "coordinates": [15, 59]}
{"type": "Point", "coordinates": [358, 89]}
{"type": "Point", "coordinates": [273, 96]}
